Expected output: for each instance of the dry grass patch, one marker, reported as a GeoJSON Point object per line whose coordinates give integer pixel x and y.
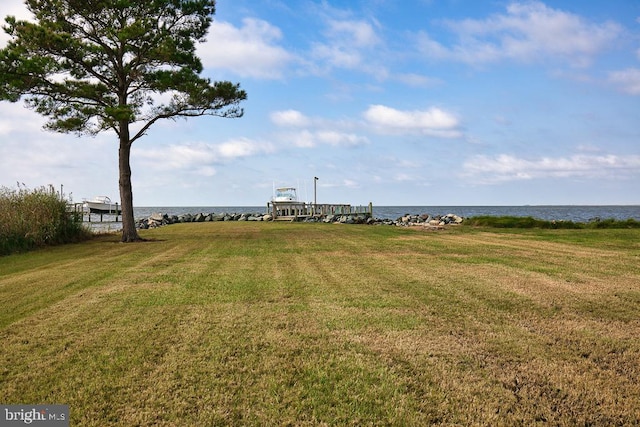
{"type": "Point", "coordinates": [314, 324]}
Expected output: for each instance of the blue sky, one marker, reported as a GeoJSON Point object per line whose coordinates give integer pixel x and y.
{"type": "Point", "coordinates": [394, 102]}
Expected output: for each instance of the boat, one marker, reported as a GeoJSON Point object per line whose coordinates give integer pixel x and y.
{"type": "Point", "coordinates": [285, 204]}
{"type": "Point", "coordinates": [285, 195]}
{"type": "Point", "coordinates": [102, 205]}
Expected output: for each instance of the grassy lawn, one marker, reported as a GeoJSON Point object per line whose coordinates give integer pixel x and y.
{"type": "Point", "coordinates": [239, 323]}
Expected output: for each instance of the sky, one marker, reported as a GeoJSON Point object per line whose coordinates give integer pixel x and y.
{"type": "Point", "coordinates": [393, 102]}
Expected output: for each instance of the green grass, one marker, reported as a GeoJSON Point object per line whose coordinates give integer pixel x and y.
{"type": "Point", "coordinates": [243, 323]}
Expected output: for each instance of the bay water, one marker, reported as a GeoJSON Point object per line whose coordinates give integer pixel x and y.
{"type": "Point", "coordinates": [575, 213]}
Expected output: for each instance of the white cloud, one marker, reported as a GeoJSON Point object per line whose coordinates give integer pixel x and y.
{"type": "Point", "coordinates": [434, 121]}
{"type": "Point", "coordinates": [336, 56]}
{"type": "Point", "coordinates": [303, 139]}
{"type": "Point", "coordinates": [85, 166]}
{"type": "Point", "coordinates": [15, 117]}
{"type": "Point", "coordinates": [417, 80]}
{"type": "Point", "coordinates": [349, 183]}
{"type": "Point", "coordinates": [344, 183]}
{"type": "Point", "coordinates": [346, 46]}
{"type": "Point", "coordinates": [504, 167]}
{"type": "Point", "coordinates": [312, 138]}
{"type": "Point", "coordinates": [353, 33]}
{"type": "Point", "coordinates": [403, 177]}
{"type": "Point", "coordinates": [628, 80]}
{"type": "Point", "coordinates": [12, 8]}
{"type": "Point", "coordinates": [308, 132]}
{"type": "Point", "coordinates": [402, 163]}
{"type": "Point", "coordinates": [291, 118]}
{"type": "Point", "coordinates": [250, 51]}
{"type": "Point", "coordinates": [527, 32]}
{"type": "Point", "coordinates": [199, 157]}
{"type": "Point", "coordinates": [335, 138]}
{"type": "Point", "coordinates": [31, 149]}
{"type": "Point", "coordinates": [241, 148]}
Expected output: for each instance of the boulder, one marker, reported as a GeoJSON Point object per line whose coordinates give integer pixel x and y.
{"type": "Point", "coordinates": [185, 218]}
{"type": "Point", "coordinates": [329, 218]}
{"type": "Point", "coordinates": [157, 217]}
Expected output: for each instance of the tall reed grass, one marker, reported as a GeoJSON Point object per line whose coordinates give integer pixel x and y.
{"type": "Point", "coordinates": [32, 218]}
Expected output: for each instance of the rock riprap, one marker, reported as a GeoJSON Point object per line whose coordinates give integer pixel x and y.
{"type": "Point", "coordinates": [160, 219]}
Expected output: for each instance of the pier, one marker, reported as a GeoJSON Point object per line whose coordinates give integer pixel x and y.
{"type": "Point", "coordinates": [293, 211]}
{"type": "Point", "coordinates": [86, 214]}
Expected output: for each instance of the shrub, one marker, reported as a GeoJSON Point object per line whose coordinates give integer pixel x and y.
{"type": "Point", "coordinates": [530, 222]}
{"type": "Point", "coordinates": [614, 223]}
{"type": "Point", "coordinates": [511, 222]}
{"type": "Point", "coordinates": [34, 218]}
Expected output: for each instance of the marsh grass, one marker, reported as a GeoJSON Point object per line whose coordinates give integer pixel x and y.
{"type": "Point", "coordinates": [33, 218]}
{"type": "Point", "coordinates": [314, 324]}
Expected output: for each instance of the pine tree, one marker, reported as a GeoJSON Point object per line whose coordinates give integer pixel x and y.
{"type": "Point", "coordinates": [97, 65]}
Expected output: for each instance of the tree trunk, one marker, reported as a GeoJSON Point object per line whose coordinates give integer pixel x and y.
{"type": "Point", "coordinates": [129, 232]}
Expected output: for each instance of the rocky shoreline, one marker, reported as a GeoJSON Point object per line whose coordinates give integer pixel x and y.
{"type": "Point", "coordinates": [160, 219]}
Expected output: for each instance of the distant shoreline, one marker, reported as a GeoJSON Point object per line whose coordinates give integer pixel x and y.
{"type": "Point", "coordinates": [575, 213]}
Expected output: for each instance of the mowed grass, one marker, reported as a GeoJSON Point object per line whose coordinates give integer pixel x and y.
{"type": "Point", "coordinates": [234, 323]}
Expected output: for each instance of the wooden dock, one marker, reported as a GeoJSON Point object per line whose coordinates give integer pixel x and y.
{"type": "Point", "coordinates": [88, 216]}
{"type": "Point", "coordinates": [293, 211]}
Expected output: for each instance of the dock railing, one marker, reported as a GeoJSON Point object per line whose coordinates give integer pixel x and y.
{"type": "Point", "coordinates": [294, 210]}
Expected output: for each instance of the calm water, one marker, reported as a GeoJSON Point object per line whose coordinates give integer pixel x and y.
{"type": "Point", "coordinates": [571, 213]}
{"type": "Point", "coordinates": [567, 213]}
